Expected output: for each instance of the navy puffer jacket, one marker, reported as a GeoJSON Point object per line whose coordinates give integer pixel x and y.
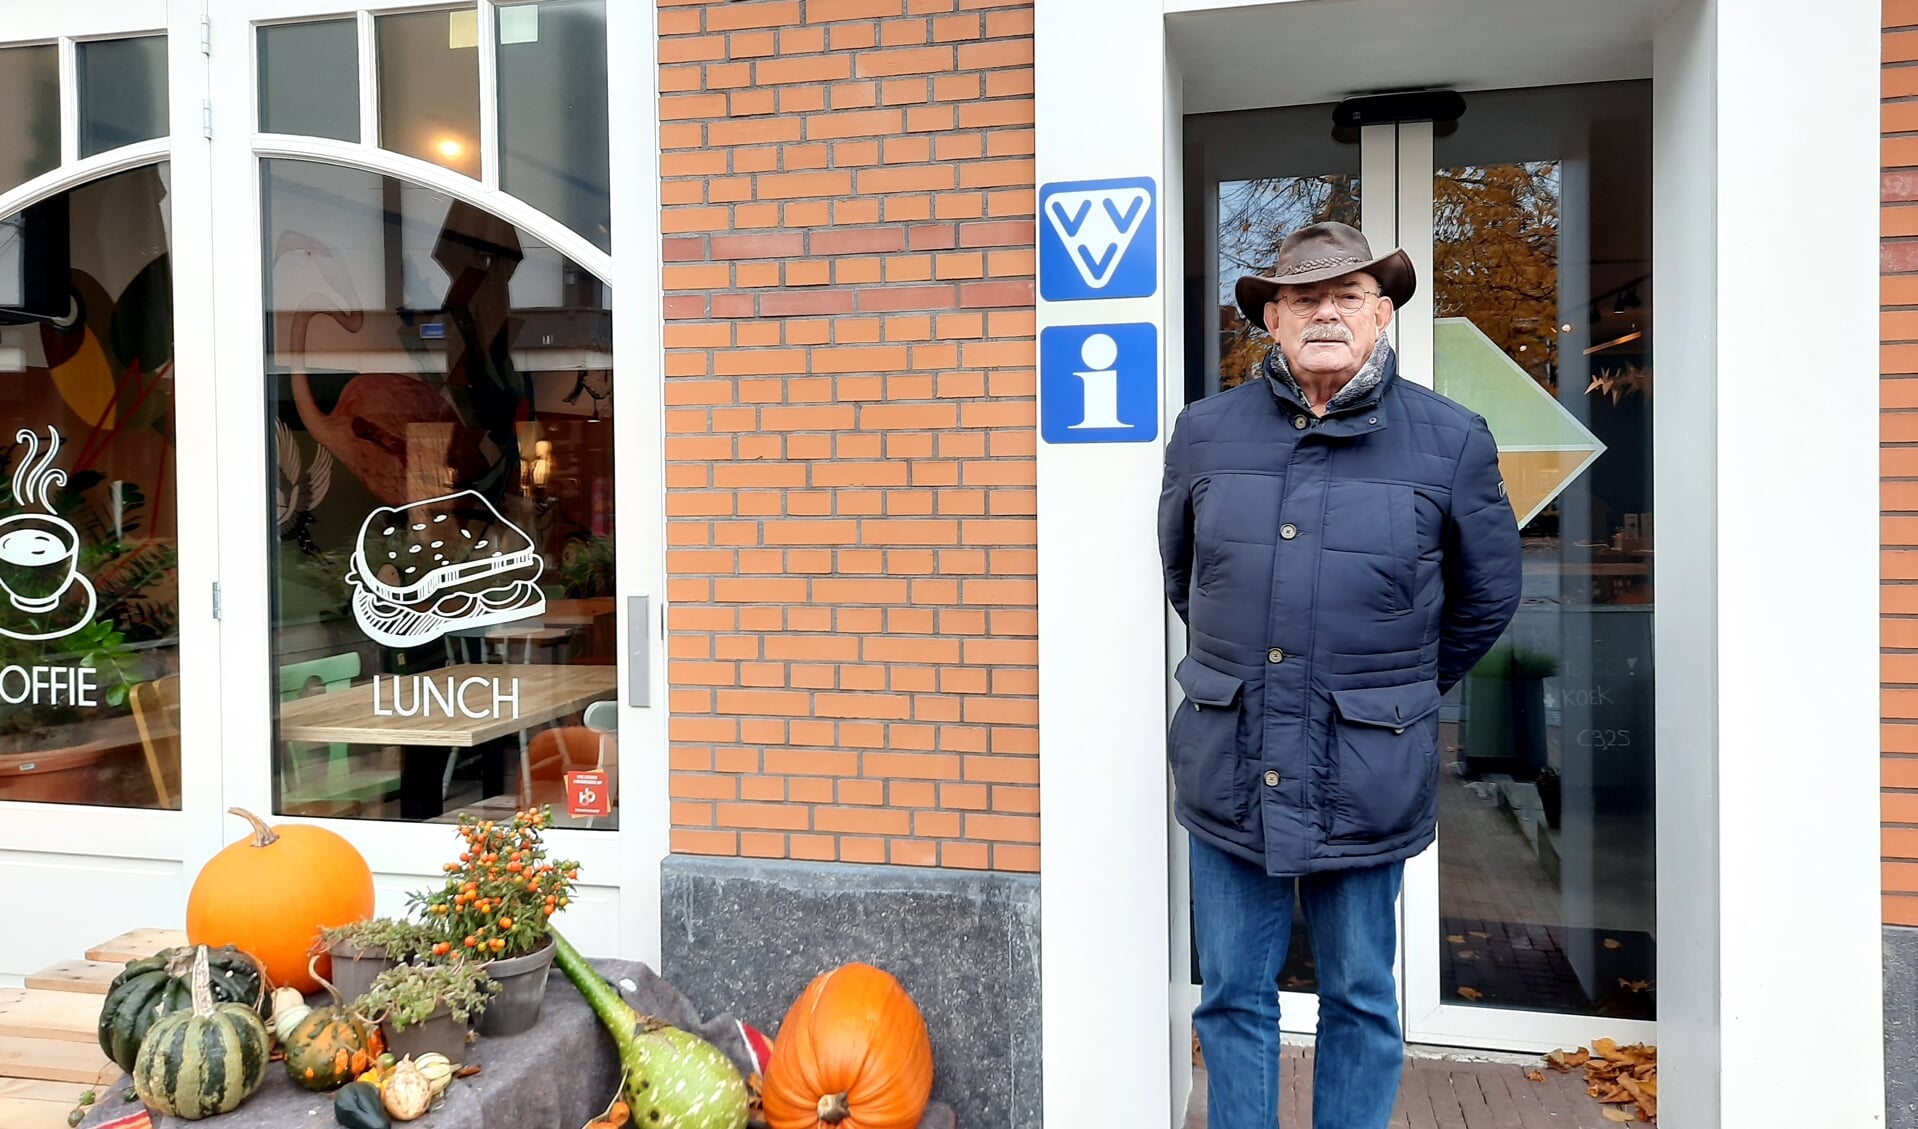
{"type": "Point", "coordinates": [1336, 576]}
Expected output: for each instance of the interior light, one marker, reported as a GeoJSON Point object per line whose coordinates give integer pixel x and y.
{"type": "Point", "coordinates": [450, 149]}
{"type": "Point", "coordinates": [1624, 339]}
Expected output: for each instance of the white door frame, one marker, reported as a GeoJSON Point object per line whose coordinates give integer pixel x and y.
{"type": "Point", "coordinates": [617, 901]}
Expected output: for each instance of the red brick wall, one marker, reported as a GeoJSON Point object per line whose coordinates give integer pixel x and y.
{"type": "Point", "coordinates": [1898, 430]}
{"type": "Point", "coordinates": [848, 215]}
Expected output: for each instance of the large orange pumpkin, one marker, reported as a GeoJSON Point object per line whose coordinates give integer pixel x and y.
{"type": "Point", "coordinates": [271, 893]}
{"type": "Point", "coordinates": [852, 1054]}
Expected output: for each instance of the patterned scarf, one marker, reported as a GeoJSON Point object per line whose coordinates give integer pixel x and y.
{"type": "Point", "coordinates": [1356, 389]}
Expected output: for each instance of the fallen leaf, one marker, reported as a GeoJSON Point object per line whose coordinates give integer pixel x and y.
{"type": "Point", "coordinates": [1535, 1075]}
{"type": "Point", "coordinates": [1481, 936]}
{"type": "Point", "coordinates": [1635, 985]}
{"type": "Point", "coordinates": [1471, 994]}
{"type": "Point", "coordinates": [1612, 943]}
{"type": "Point", "coordinates": [1647, 1104]}
{"type": "Point", "coordinates": [1466, 954]}
{"type": "Point", "coordinates": [1564, 1061]}
{"type": "Point", "coordinates": [466, 1071]}
{"type": "Point", "coordinates": [1455, 938]}
{"type": "Point", "coordinates": [1614, 1114]}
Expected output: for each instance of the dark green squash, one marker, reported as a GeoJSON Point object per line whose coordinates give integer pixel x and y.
{"type": "Point", "coordinates": [204, 1062]}
{"type": "Point", "coordinates": [357, 1106]}
{"type": "Point", "coordinates": [162, 984]}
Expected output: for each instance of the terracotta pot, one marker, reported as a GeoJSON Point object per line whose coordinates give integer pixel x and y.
{"type": "Point", "coordinates": [522, 989]}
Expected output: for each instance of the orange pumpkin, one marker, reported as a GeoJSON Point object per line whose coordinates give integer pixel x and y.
{"type": "Point", "coordinates": [852, 1054]}
{"type": "Point", "coordinates": [271, 893]}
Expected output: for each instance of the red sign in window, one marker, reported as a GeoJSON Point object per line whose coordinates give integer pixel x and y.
{"type": "Point", "coordinates": [588, 793]}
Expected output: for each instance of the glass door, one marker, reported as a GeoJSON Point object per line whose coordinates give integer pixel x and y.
{"type": "Point", "coordinates": [1529, 222]}
{"type": "Point", "coordinates": [1535, 920]}
{"type": "Point", "coordinates": [107, 646]}
{"type": "Point", "coordinates": [428, 431]}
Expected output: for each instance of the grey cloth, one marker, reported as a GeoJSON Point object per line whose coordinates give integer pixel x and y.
{"type": "Point", "coordinates": [558, 1075]}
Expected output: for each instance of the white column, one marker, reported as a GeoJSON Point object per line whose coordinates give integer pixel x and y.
{"type": "Point", "coordinates": [1766, 159]}
{"type": "Point", "coordinates": [640, 476]}
{"type": "Point", "coordinates": [1100, 96]}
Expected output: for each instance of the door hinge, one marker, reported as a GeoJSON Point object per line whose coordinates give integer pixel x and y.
{"type": "Point", "coordinates": [206, 35]}
{"type": "Point", "coordinates": [216, 599]}
{"type": "Point", "coordinates": [206, 119]}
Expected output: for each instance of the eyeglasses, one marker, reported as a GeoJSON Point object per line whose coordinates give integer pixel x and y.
{"type": "Point", "coordinates": [1346, 301]}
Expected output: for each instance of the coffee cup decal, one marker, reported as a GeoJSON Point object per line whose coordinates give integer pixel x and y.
{"type": "Point", "coordinates": [40, 552]}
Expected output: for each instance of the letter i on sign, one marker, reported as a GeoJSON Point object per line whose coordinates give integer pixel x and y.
{"type": "Point", "coordinates": [1101, 383]}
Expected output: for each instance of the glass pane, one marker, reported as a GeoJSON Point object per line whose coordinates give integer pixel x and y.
{"type": "Point", "coordinates": [552, 112]}
{"type": "Point", "coordinates": [89, 591]}
{"type": "Point", "coordinates": [30, 89]}
{"type": "Point", "coordinates": [123, 96]}
{"type": "Point", "coordinates": [310, 79]}
{"type": "Point", "coordinates": [1255, 216]}
{"type": "Point", "coordinates": [1542, 298]}
{"type": "Point", "coordinates": [440, 389]}
{"type": "Point", "coordinates": [429, 87]}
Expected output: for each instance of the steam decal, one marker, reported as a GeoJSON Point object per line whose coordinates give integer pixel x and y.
{"type": "Point", "coordinates": [46, 597]}
{"type": "Point", "coordinates": [439, 565]}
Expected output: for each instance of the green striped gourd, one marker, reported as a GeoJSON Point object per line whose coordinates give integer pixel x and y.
{"type": "Point", "coordinates": [162, 984]}
{"type": "Point", "coordinates": [204, 1062]}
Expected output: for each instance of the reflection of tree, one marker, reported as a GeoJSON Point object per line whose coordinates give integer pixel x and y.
{"type": "Point", "coordinates": [1494, 254]}
{"type": "Point", "coordinates": [1495, 258]}
{"type": "Point", "coordinates": [1255, 216]}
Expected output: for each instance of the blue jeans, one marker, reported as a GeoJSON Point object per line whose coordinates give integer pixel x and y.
{"type": "Point", "coordinates": [1243, 925]}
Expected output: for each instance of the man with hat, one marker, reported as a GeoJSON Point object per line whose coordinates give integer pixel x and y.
{"type": "Point", "coordinates": [1338, 542]}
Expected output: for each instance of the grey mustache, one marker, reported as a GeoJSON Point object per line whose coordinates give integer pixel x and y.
{"type": "Point", "coordinates": [1326, 333]}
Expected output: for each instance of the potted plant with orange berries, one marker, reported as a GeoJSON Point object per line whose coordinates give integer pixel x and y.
{"type": "Point", "coordinates": [495, 906]}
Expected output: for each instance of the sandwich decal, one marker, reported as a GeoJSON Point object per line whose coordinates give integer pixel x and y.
{"type": "Point", "coordinates": [439, 565]}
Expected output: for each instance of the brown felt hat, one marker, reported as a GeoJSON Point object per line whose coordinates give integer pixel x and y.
{"type": "Point", "coordinates": [1322, 251]}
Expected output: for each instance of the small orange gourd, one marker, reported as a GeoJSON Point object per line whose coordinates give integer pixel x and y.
{"type": "Point", "coordinates": [270, 894]}
{"type": "Point", "coordinates": [853, 1053]}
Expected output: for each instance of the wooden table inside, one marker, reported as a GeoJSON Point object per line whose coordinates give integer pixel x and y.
{"type": "Point", "coordinates": [578, 612]}
{"type": "Point", "coordinates": [545, 693]}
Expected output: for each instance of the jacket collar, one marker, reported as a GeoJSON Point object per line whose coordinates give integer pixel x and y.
{"type": "Point", "coordinates": [1356, 409]}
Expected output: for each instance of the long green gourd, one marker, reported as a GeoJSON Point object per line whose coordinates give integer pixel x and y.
{"type": "Point", "coordinates": [674, 1078]}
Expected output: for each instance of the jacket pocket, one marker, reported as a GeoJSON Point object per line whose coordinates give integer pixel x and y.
{"type": "Point", "coordinates": [1205, 743]}
{"type": "Point", "coordinates": [1372, 530]}
{"type": "Point", "coordinates": [1384, 754]}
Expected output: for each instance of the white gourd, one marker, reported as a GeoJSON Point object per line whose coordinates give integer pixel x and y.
{"type": "Point", "coordinates": [289, 1007]}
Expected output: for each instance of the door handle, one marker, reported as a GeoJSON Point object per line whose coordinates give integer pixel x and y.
{"type": "Point", "coordinates": [639, 651]}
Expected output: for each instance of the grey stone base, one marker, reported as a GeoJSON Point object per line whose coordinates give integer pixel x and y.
{"type": "Point", "coordinates": [1901, 1027]}
{"type": "Point", "coordinates": [747, 936]}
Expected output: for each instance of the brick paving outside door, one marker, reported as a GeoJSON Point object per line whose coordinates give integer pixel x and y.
{"type": "Point", "coordinates": [1441, 1093]}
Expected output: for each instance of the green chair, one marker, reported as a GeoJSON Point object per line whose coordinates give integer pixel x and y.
{"type": "Point", "coordinates": [329, 675]}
